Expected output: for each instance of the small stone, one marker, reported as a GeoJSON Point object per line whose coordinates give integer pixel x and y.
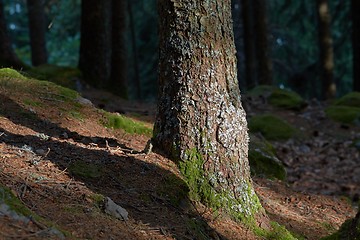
{"type": "Point", "coordinates": [41, 152]}
{"type": "Point", "coordinates": [115, 210]}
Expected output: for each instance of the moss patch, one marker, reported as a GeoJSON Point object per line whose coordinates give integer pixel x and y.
{"type": "Point", "coordinates": [174, 189]}
{"type": "Point", "coordinates": [351, 100]}
{"type": "Point", "coordinates": [271, 127]}
{"type": "Point", "coordinates": [349, 230]}
{"type": "Point", "coordinates": [86, 170]}
{"type": "Point", "coordinates": [277, 232]}
{"type": "Point", "coordinates": [263, 160]}
{"type": "Point", "coordinates": [344, 114]}
{"type": "Point", "coordinates": [9, 73]}
{"type": "Point", "coordinates": [64, 76]}
{"type": "Point", "coordinates": [129, 125]}
{"type": "Point", "coordinates": [277, 97]}
{"type": "Point", "coordinates": [7, 197]}
{"type": "Point", "coordinates": [243, 209]}
{"type": "Point", "coordinates": [286, 99]}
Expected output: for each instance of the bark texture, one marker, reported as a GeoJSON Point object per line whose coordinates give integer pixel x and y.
{"type": "Point", "coordinates": [326, 50]}
{"type": "Point", "coordinates": [7, 55]}
{"type": "Point", "coordinates": [355, 8]}
{"type": "Point", "coordinates": [95, 46]}
{"type": "Point", "coordinates": [118, 78]}
{"type": "Point", "coordinates": [261, 43]}
{"type": "Point", "coordinates": [37, 30]}
{"type": "Point", "coordinates": [200, 121]}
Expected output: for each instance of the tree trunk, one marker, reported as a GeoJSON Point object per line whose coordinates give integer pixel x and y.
{"type": "Point", "coordinates": [95, 46]}
{"type": "Point", "coordinates": [200, 121]}
{"type": "Point", "coordinates": [134, 52]}
{"type": "Point", "coordinates": [118, 79]}
{"type": "Point", "coordinates": [7, 56]}
{"type": "Point", "coordinates": [355, 6]}
{"type": "Point", "coordinates": [249, 48]}
{"type": "Point", "coordinates": [261, 42]}
{"type": "Point", "coordinates": [326, 50]}
{"type": "Point", "coordinates": [37, 29]}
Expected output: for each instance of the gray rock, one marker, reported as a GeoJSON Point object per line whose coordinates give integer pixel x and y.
{"type": "Point", "coordinates": [115, 210]}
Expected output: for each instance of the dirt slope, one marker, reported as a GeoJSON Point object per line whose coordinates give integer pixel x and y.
{"type": "Point", "coordinates": [60, 161]}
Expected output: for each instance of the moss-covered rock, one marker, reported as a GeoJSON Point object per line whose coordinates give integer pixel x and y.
{"type": "Point", "coordinates": [351, 100]}
{"type": "Point", "coordinates": [64, 76]}
{"type": "Point", "coordinates": [271, 127]}
{"type": "Point", "coordinates": [263, 160]}
{"type": "Point", "coordinates": [346, 109]}
{"type": "Point", "coordinates": [344, 114]}
{"type": "Point", "coordinates": [350, 230]}
{"type": "Point", "coordinates": [286, 99]}
{"type": "Point", "coordinates": [281, 98]}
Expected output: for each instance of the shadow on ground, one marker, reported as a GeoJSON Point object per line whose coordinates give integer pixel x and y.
{"type": "Point", "coordinates": [154, 197]}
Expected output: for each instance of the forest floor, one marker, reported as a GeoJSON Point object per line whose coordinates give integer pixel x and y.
{"type": "Point", "coordinates": [60, 162]}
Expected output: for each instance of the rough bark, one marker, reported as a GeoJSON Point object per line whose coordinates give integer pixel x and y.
{"type": "Point", "coordinates": [118, 79]}
{"type": "Point", "coordinates": [7, 55]}
{"type": "Point", "coordinates": [37, 30]}
{"type": "Point", "coordinates": [95, 46]}
{"type": "Point", "coordinates": [355, 8]}
{"type": "Point", "coordinates": [200, 121]}
{"type": "Point", "coordinates": [249, 48]}
{"type": "Point", "coordinates": [264, 63]}
{"type": "Point", "coordinates": [326, 50]}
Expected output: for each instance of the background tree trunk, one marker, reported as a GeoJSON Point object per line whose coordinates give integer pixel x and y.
{"type": "Point", "coordinates": [118, 79]}
{"type": "Point", "coordinates": [264, 62]}
{"type": "Point", "coordinates": [37, 30]}
{"type": "Point", "coordinates": [326, 50]}
{"type": "Point", "coordinates": [249, 48]}
{"type": "Point", "coordinates": [200, 121]}
{"type": "Point", "coordinates": [355, 7]}
{"type": "Point", "coordinates": [7, 56]}
{"type": "Point", "coordinates": [95, 46]}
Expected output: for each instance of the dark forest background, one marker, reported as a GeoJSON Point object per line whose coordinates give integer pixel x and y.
{"type": "Point", "coordinates": [277, 42]}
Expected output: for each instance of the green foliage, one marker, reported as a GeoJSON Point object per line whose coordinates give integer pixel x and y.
{"type": "Point", "coordinates": [129, 125]}
{"type": "Point", "coordinates": [263, 160]}
{"type": "Point", "coordinates": [344, 114]}
{"type": "Point", "coordinates": [271, 127]}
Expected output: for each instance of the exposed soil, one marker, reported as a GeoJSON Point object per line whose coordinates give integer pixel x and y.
{"type": "Point", "coordinates": [40, 145]}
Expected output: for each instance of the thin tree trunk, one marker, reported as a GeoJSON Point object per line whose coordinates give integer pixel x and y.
{"type": "Point", "coordinates": [7, 56]}
{"type": "Point", "coordinates": [118, 79]}
{"type": "Point", "coordinates": [355, 7]}
{"type": "Point", "coordinates": [261, 42]}
{"type": "Point", "coordinates": [249, 47]}
{"type": "Point", "coordinates": [200, 121]}
{"type": "Point", "coordinates": [37, 29]}
{"type": "Point", "coordinates": [134, 52]}
{"type": "Point", "coordinates": [326, 50]}
{"type": "Point", "coordinates": [95, 46]}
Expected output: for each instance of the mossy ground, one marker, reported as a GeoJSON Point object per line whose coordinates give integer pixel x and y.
{"type": "Point", "coordinates": [86, 170]}
{"type": "Point", "coordinates": [351, 100]}
{"type": "Point", "coordinates": [344, 114]}
{"type": "Point", "coordinates": [271, 127]}
{"type": "Point", "coordinates": [263, 161]}
{"type": "Point", "coordinates": [280, 98]}
{"type": "Point", "coordinates": [63, 76]}
{"type": "Point", "coordinates": [129, 125]}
